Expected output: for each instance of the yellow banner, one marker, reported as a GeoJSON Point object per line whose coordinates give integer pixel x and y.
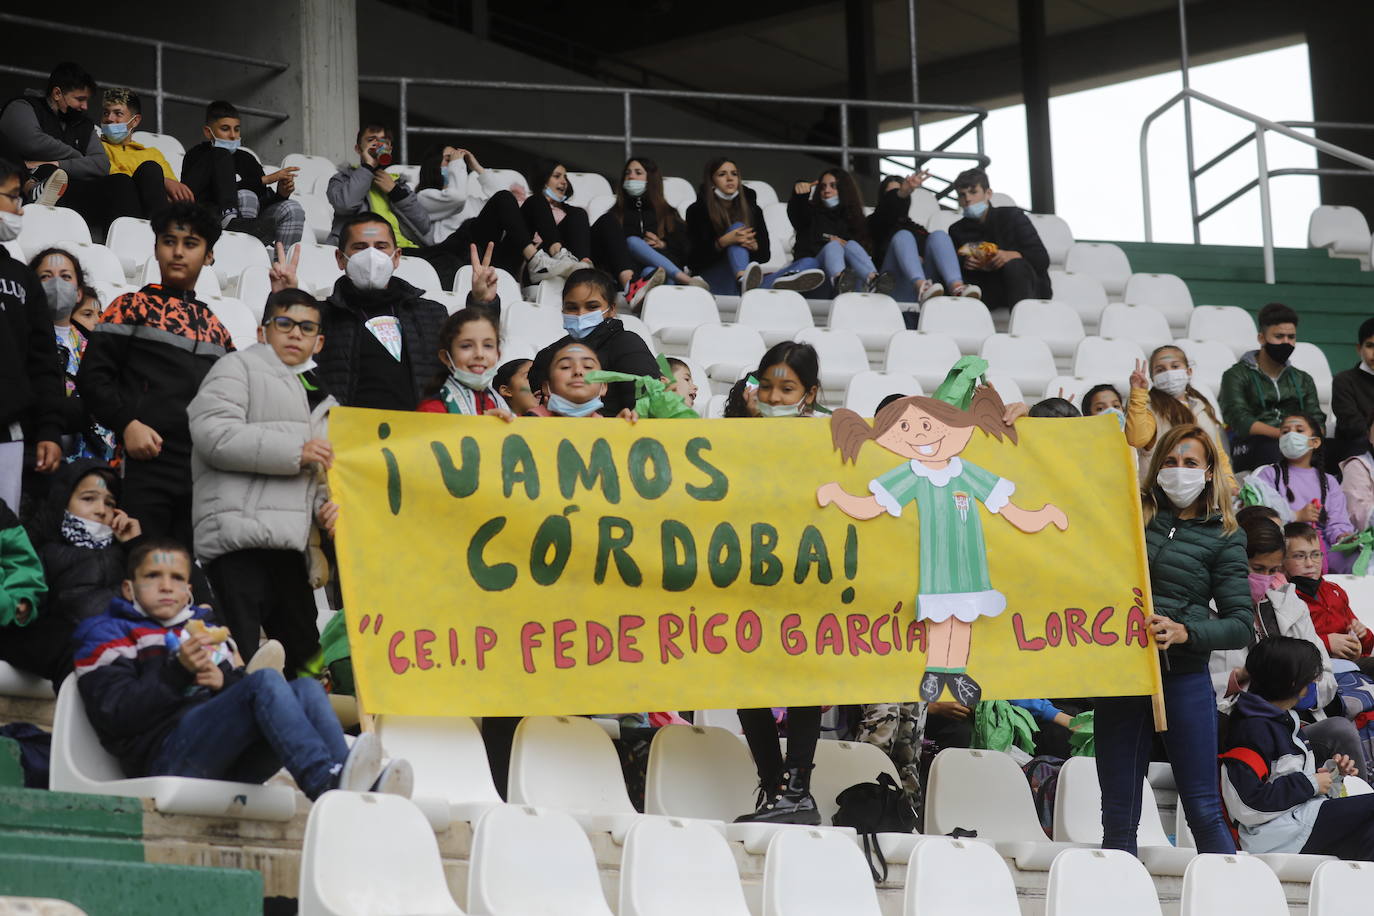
{"type": "Point", "coordinates": [563, 566]}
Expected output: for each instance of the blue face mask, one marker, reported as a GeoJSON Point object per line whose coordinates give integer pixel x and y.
{"type": "Point", "coordinates": [579, 326]}
{"type": "Point", "coordinates": [554, 196]}
{"type": "Point", "coordinates": [1120, 416]}
{"type": "Point", "coordinates": [116, 133]}
{"type": "Point", "coordinates": [565, 408]}
{"type": "Point", "coordinates": [230, 145]}
{"type": "Point", "coordinates": [976, 211]}
{"type": "Point", "coordinates": [634, 186]}
{"type": "Point", "coordinates": [831, 201]}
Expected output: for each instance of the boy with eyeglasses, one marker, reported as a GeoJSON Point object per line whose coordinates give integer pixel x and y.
{"type": "Point", "coordinates": [258, 463]}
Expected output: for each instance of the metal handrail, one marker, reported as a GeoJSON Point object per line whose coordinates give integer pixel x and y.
{"type": "Point", "coordinates": [1262, 126]}
{"type": "Point", "coordinates": [159, 48]}
{"type": "Point", "coordinates": [629, 138]}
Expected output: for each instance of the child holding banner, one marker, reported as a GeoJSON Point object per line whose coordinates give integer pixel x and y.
{"type": "Point", "coordinates": [1197, 558]}
{"type": "Point", "coordinates": [470, 349]}
{"type": "Point", "coordinates": [559, 373]}
{"type": "Point", "coordinates": [512, 382]}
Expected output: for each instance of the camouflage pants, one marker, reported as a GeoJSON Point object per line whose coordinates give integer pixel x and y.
{"type": "Point", "coordinates": [897, 728]}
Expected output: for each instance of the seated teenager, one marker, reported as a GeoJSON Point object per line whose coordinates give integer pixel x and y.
{"type": "Point", "coordinates": [924, 263]}
{"type": "Point", "coordinates": [589, 317]}
{"type": "Point", "coordinates": [832, 238]}
{"type": "Point", "coordinates": [559, 229]}
{"type": "Point", "coordinates": [726, 231]}
{"type": "Point", "coordinates": [1002, 252]}
{"type": "Point", "coordinates": [150, 172]}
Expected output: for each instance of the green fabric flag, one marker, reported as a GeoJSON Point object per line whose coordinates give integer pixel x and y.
{"type": "Point", "coordinates": [997, 725]}
{"type": "Point", "coordinates": [653, 399]}
{"type": "Point", "coordinates": [1081, 741]}
{"type": "Point", "coordinates": [1364, 543]}
{"type": "Point", "coordinates": [957, 388]}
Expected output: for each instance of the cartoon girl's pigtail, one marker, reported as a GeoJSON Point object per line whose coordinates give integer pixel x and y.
{"type": "Point", "coordinates": [848, 432]}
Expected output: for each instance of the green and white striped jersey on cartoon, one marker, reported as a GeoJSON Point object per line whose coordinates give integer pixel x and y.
{"type": "Point", "coordinates": [953, 572]}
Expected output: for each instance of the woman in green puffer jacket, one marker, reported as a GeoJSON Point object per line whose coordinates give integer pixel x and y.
{"type": "Point", "coordinates": [1197, 558]}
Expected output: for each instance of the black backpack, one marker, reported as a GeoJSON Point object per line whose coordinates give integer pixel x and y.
{"type": "Point", "coordinates": [872, 808]}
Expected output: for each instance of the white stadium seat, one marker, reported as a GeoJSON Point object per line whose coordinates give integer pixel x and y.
{"type": "Point", "coordinates": [16, 683]}
{"type": "Point", "coordinates": [987, 792]}
{"type": "Point", "coordinates": [46, 227]}
{"type": "Point", "coordinates": [132, 242]}
{"type": "Point", "coordinates": [1228, 324]}
{"type": "Point", "coordinates": [673, 312]}
{"type": "Point", "coordinates": [1309, 358]}
{"type": "Point", "coordinates": [926, 357]}
{"type": "Point", "coordinates": [207, 284]}
{"type": "Point", "coordinates": [866, 389]}
{"type": "Point", "coordinates": [781, 237]}
{"type": "Point", "coordinates": [637, 326]}
{"type": "Point", "coordinates": [1336, 884]}
{"type": "Point", "coordinates": [1000, 199]}
{"type": "Point", "coordinates": [1103, 260]}
{"type": "Point", "coordinates": [699, 771]}
{"type": "Point", "coordinates": [1055, 235]}
{"type": "Point", "coordinates": [237, 319]}
{"type": "Point", "coordinates": [674, 867]}
{"type": "Point", "coordinates": [81, 764]}
{"type": "Point", "coordinates": [1139, 323]}
{"type": "Point", "coordinates": [726, 350]}
{"type": "Point", "coordinates": [314, 174]}
{"type": "Point", "coordinates": [452, 776]}
{"type": "Point", "coordinates": [254, 285]}
{"type": "Point", "coordinates": [678, 191]}
{"type": "Point", "coordinates": [1231, 884]}
{"type": "Point", "coordinates": [319, 216]}
{"type": "Point", "coordinates": [777, 314]}
{"type": "Point", "coordinates": [98, 263]}
{"type": "Point", "coordinates": [1006, 388]}
{"type": "Point", "coordinates": [597, 206]}
{"type": "Point", "coordinates": [923, 206]}
{"type": "Point", "coordinates": [318, 269]}
{"type": "Point", "coordinates": [568, 763]}
{"type": "Point", "coordinates": [968, 877]}
{"type": "Point", "coordinates": [1025, 360]}
{"type": "Point", "coordinates": [1069, 387]}
{"type": "Point", "coordinates": [1107, 360]}
{"type": "Point", "coordinates": [1165, 293]}
{"type": "Point", "coordinates": [165, 144]}
{"type": "Point", "coordinates": [506, 288]}
{"type": "Point", "coordinates": [235, 252]}
{"type": "Point", "coordinates": [968, 321]}
{"type": "Point", "coordinates": [763, 191]}
{"type": "Point", "coordinates": [1078, 818]}
{"type": "Point", "coordinates": [536, 324]}
{"type": "Point", "coordinates": [813, 872]}
{"type": "Point", "coordinates": [587, 186]}
{"type": "Point", "coordinates": [507, 178]}
{"type": "Point", "coordinates": [1089, 882]}
{"type": "Point", "coordinates": [369, 854]}
{"type": "Point", "coordinates": [1342, 231]}
{"type": "Point", "coordinates": [842, 356]}
{"type": "Point", "coordinates": [1055, 322]}
{"type": "Point", "coordinates": [941, 220]}
{"type": "Point", "coordinates": [873, 316]}
{"type": "Point", "coordinates": [527, 861]}
{"type": "Point", "coordinates": [1084, 292]}
{"type": "Point", "coordinates": [418, 273]}
{"type": "Point", "coordinates": [715, 406]}
{"type": "Point", "coordinates": [1209, 359]}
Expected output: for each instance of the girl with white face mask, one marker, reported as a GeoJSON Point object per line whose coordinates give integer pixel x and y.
{"type": "Point", "coordinates": [559, 229]}
{"type": "Point", "coordinates": [726, 230]}
{"type": "Point", "coordinates": [1313, 495]}
{"type": "Point", "coordinates": [1196, 558]}
{"type": "Point", "coordinates": [833, 242]}
{"type": "Point", "coordinates": [1165, 398]}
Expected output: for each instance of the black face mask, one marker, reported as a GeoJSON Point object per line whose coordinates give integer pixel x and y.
{"type": "Point", "coordinates": [1305, 585]}
{"type": "Point", "coordinates": [1278, 352]}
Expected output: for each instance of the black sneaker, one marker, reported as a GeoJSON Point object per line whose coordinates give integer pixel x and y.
{"type": "Point", "coordinates": [802, 281]}
{"type": "Point", "coordinates": [846, 281]}
{"type": "Point", "coordinates": [883, 283]}
{"type": "Point", "coordinates": [47, 192]}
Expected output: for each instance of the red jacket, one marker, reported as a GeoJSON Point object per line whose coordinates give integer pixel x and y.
{"type": "Point", "coordinates": [1331, 613]}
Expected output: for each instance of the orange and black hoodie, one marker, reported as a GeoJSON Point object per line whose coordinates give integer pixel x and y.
{"type": "Point", "coordinates": [145, 361]}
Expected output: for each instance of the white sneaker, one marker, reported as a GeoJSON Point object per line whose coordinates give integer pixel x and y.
{"type": "Point", "coordinates": [544, 266]}
{"type": "Point", "coordinates": [971, 291]}
{"type": "Point", "coordinates": [699, 283]}
{"type": "Point", "coordinates": [364, 764]}
{"type": "Point", "coordinates": [51, 190]}
{"type": "Point", "coordinates": [803, 281]}
{"type": "Point", "coordinates": [639, 289]}
{"type": "Point", "coordinates": [269, 655]}
{"type": "Point", "coordinates": [929, 290]}
{"type": "Point", "coordinates": [751, 278]}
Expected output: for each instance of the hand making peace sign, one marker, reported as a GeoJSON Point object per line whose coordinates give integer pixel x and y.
{"type": "Point", "coordinates": [283, 272]}
{"type": "Point", "coordinates": [483, 275]}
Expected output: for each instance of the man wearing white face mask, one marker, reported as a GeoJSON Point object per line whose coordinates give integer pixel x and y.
{"type": "Point", "coordinates": [1018, 267]}
{"type": "Point", "coordinates": [381, 334]}
{"type": "Point", "coordinates": [149, 170]}
{"type": "Point", "coordinates": [30, 379]}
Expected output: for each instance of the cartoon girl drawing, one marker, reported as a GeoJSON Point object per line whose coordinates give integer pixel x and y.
{"type": "Point", "coordinates": [954, 588]}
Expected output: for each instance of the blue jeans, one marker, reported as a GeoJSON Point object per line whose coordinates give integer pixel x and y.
{"type": "Point", "coordinates": [254, 728]}
{"type": "Point", "coordinates": [903, 259]}
{"type": "Point", "coordinates": [722, 274]}
{"type": "Point", "coordinates": [832, 258]}
{"type": "Point", "coordinates": [1124, 729]}
{"type": "Point", "coordinates": [652, 258]}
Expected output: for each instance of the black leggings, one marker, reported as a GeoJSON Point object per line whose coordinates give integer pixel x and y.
{"type": "Point", "coordinates": [761, 731]}
{"type": "Point", "coordinates": [609, 249]}
{"type": "Point", "coordinates": [499, 223]}
{"type": "Point", "coordinates": [573, 232]}
{"type": "Point", "coordinates": [101, 201]}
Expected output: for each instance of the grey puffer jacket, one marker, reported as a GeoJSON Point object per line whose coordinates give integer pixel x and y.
{"type": "Point", "coordinates": [248, 424]}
